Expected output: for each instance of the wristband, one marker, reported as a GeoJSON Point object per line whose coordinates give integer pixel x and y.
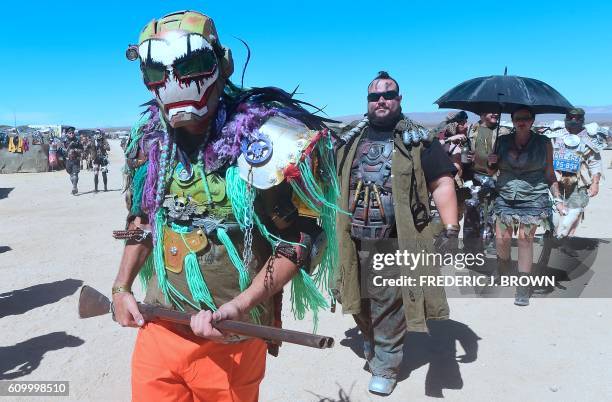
{"type": "Point", "coordinates": [122, 289]}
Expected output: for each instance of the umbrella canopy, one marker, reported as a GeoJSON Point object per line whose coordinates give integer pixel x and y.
{"type": "Point", "coordinates": [504, 93]}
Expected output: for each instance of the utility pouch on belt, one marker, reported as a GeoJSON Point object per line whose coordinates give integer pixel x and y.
{"type": "Point", "coordinates": [178, 245]}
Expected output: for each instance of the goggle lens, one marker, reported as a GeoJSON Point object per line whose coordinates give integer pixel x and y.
{"type": "Point", "coordinates": [200, 63]}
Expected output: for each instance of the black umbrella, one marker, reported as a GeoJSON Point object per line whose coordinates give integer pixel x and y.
{"type": "Point", "coordinates": [504, 93]}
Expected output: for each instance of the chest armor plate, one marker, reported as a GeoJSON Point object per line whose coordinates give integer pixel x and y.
{"type": "Point", "coordinates": [73, 150]}
{"type": "Point", "coordinates": [100, 149]}
{"type": "Point", "coordinates": [371, 198]}
{"type": "Point", "coordinates": [187, 199]}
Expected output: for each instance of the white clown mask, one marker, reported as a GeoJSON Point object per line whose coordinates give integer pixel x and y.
{"type": "Point", "coordinates": [182, 70]}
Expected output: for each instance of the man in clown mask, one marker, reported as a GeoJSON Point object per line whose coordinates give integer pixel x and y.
{"type": "Point", "coordinates": [224, 200]}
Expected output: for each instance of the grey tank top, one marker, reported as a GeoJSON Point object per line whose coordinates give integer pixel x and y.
{"type": "Point", "coordinates": [522, 174]}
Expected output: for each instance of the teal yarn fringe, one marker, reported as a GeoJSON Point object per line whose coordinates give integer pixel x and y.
{"type": "Point", "coordinates": [240, 197]}
{"type": "Point", "coordinates": [171, 294]}
{"type": "Point", "coordinates": [146, 272]}
{"type": "Point", "coordinates": [178, 298]}
{"type": "Point", "coordinates": [158, 253]}
{"type": "Point", "coordinates": [243, 274]}
{"type": "Point", "coordinates": [138, 182]}
{"type": "Point", "coordinates": [255, 314]}
{"type": "Point", "coordinates": [196, 283]}
{"type": "Point", "coordinates": [306, 296]}
{"type": "Point", "coordinates": [136, 132]}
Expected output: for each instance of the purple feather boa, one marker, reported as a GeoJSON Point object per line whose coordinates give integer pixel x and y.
{"type": "Point", "coordinates": [226, 148]}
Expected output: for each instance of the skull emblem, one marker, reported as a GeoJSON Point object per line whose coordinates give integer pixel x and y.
{"type": "Point", "coordinates": [180, 207]}
{"type": "Point", "coordinates": [180, 203]}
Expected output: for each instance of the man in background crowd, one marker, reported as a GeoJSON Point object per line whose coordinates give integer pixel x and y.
{"type": "Point", "coordinates": [72, 150]}
{"type": "Point", "coordinates": [577, 164]}
{"type": "Point", "coordinates": [478, 231]}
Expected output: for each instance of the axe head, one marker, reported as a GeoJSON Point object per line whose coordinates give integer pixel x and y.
{"type": "Point", "coordinates": [92, 303]}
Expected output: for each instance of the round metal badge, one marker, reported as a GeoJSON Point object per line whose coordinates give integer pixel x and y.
{"type": "Point", "coordinates": [258, 151]}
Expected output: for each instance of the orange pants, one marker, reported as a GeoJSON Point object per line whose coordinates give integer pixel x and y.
{"type": "Point", "coordinates": [170, 366]}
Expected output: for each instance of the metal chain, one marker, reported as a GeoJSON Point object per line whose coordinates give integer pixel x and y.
{"type": "Point", "coordinates": [247, 252]}
{"type": "Point", "coordinates": [269, 278]}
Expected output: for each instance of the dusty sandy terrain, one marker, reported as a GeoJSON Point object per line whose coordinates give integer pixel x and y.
{"type": "Point", "coordinates": [52, 242]}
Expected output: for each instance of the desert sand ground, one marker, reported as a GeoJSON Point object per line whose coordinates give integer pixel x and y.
{"type": "Point", "coordinates": [52, 242]}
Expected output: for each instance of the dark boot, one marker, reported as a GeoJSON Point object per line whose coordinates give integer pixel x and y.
{"type": "Point", "coordinates": [104, 179]}
{"type": "Point", "coordinates": [75, 180]}
{"type": "Point", "coordinates": [503, 268]}
{"type": "Point", "coordinates": [521, 297]}
{"type": "Point", "coordinates": [96, 183]}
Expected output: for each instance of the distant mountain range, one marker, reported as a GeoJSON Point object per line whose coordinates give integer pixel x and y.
{"type": "Point", "coordinates": [600, 114]}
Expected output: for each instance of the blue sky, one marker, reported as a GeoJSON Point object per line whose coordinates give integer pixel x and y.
{"type": "Point", "coordinates": [63, 61]}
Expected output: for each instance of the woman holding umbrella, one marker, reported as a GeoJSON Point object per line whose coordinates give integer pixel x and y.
{"type": "Point", "coordinates": [524, 161]}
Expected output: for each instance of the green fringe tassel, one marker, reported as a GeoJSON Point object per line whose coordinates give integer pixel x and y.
{"type": "Point", "coordinates": [313, 188]}
{"type": "Point", "coordinates": [136, 132]}
{"type": "Point", "coordinates": [243, 274]}
{"type": "Point", "coordinates": [196, 283]}
{"type": "Point", "coordinates": [306, 296]}
{"type": "Point", "coordinates": [158, 253]}
{"type": "Point", "coordinates": [171, 294]}
{"type": "Point", "coordinates": [324, 273]}
{"type": "Point", "coordinates": [178, 298]}
{"type": "Point", "coordinates": [138, 182]}
{"type": "Point", "coordinates": [240, 199]}
{"type": "Point", "coordinates": [238, 195]}
{"type": "Point", "coordinates": [331, 191]}
{"type": "Point", "coordinates": [326, 154]}
{"type": "Point", "coordinates": [146, 272]}
{"type": "Point", "coordinates": [256, 313]}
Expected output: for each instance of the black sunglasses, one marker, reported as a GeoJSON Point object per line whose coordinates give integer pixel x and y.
{"type": "Point", "coordinates": [388, 95]}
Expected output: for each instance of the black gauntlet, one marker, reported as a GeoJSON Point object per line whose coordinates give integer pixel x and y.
{"type": "Point", "coordinates": [448, 240]}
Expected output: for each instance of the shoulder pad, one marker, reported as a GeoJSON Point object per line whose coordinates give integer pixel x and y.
{"type": "Point", "coordinates": [556, 133]}
{"type": "Point", "coordinates": [353, 129]}
{"type": "Point", "coordinates": [280, 142]}
{"type": "Point", "coordinates": [592, 143]}
{"type": "Point", "coordinates": [591, 129]}
{"type": "Point", "coordinates": [413, 133]}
